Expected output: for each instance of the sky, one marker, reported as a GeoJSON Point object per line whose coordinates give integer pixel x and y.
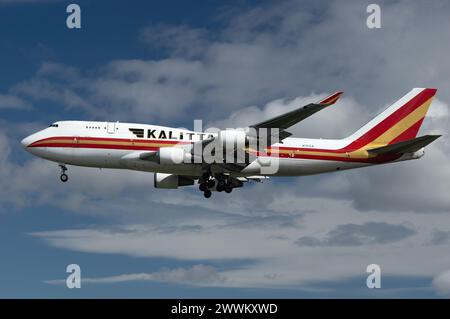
{"type": "Point", "coordinates": [230, 64]}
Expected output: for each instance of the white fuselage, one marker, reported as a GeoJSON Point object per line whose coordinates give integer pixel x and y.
{"type": "Point", "coordinates": [118, 145]}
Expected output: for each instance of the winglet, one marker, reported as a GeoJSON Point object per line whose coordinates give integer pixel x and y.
{"type": "Point", "coordinates": [329, 100]}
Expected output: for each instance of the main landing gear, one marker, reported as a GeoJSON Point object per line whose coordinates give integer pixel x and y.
{"type": "Point", "coordinates": [64, 178]}
{"type": "Point", "coordinates": [221, 182]}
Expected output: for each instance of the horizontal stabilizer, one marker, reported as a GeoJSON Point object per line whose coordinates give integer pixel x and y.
{"type": "Point", "coordinates": [409, 146]}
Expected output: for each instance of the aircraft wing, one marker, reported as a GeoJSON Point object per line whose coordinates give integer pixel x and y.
{"type": "Point", "coordinates": [409, 146]}
{"type": "Point", "coordinates": [291, 118]}
{"type": "Point", "coordinates": [280, 123]}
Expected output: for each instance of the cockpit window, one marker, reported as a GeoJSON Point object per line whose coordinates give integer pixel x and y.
{"type": "Point", "coordinates": [54, 125]}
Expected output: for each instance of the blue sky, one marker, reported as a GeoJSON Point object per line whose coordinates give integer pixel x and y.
{"type": "Point", "coordinates": [168, 62]}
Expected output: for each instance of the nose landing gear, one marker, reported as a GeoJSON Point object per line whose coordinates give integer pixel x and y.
{"type": "Point", "coordinates": [64, 178]}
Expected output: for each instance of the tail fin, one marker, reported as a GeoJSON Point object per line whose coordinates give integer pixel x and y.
{"type": "Point", "coordinates": [399, 122]}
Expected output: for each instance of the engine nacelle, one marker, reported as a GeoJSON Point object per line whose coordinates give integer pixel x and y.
{"type": "Point", "coordinates": [171, 181]}
{"type": "Point", "coordinates": [173, 155]}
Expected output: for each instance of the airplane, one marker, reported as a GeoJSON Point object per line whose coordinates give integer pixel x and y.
{"type": "Point", "coordinates": [170, 153]}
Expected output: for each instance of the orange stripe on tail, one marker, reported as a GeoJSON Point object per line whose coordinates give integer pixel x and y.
{"type": "Point", "coordinates": [399, 122]}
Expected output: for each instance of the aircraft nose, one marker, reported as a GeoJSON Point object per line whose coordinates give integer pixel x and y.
{"type": "Point", "coordinates": [25, 142]}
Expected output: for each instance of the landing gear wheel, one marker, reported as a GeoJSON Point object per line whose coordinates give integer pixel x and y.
{"type": "Point", "coordinates": [202, 187]}
{"type": "Point", "coordinates": [207, 193]}
{"type": "Point", "coordinates": [64, 178]}
{"type": "Point", "coordinates": [228, 189]}
{"type": "Point", "coordinates": [211, 183]}
{"type": "Point", "coordinates": [221, 183]}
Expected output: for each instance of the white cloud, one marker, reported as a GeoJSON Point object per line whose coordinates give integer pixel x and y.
{"type": "Point", "coordinates": [197, 275]}
{"type": "Point", "coordinates": [358, 235]}
{"type": "Point", "coordinates": [275, 51]}
{"type": "Point", "coordinates": [274, 261]}
{"type": "Point", "coordinates": [440, 110]}
{"type": "Point", "coordinates": [178, 40]}
{"type": "Point", "coordinates": [8, 101]}
{"type": "Point", "coordinates": [441, 283]}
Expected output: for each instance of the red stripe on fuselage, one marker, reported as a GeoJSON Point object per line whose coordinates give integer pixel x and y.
{"type": "Point", "coordinates": [99, 146]}
{"type": "Point", "coordinates": [77, 142]}
{"type": "Point", "coordinates": [73, 141]}
{"type": "Point", "coordinates": [375, 160]}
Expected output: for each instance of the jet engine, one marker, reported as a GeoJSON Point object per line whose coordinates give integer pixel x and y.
{"type": "Point", "coordinates": [171, 181]}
